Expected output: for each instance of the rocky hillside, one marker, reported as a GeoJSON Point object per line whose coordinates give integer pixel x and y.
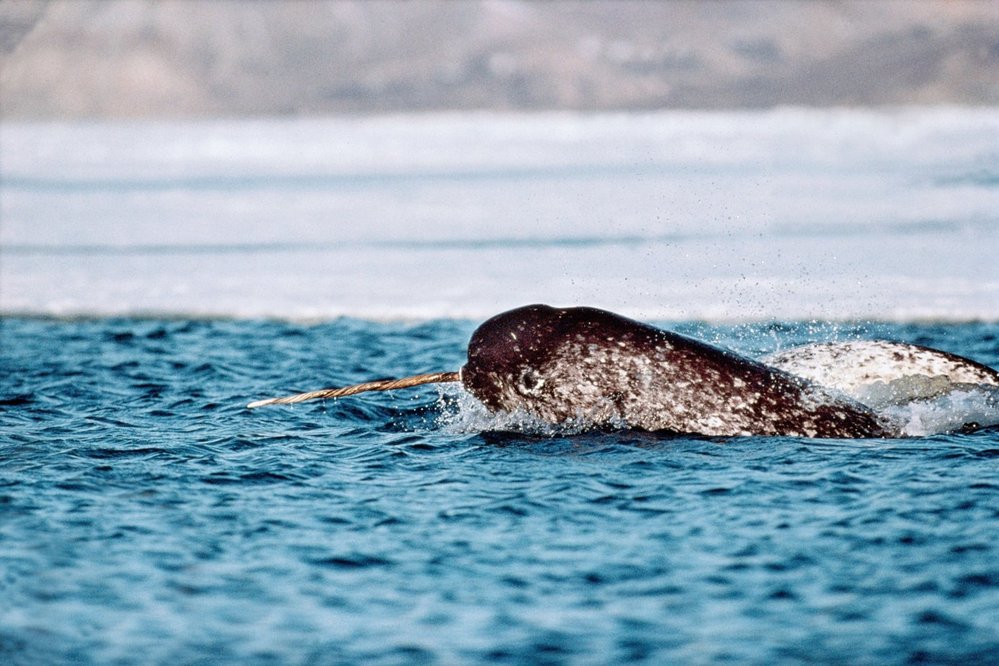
{"type": "Point", "coordinates": [170, 58]}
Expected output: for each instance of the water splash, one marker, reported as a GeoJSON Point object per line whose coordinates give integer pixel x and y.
{"type": "Point", "coordinates": [965, 408]}
{"type": "Point", "coordinates": [462, 413]}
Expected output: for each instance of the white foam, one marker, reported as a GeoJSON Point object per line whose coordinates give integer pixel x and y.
{"type": "Point", "coordinates": [948, 412]}
{"type": "Point", "coordinates": [462, 414]}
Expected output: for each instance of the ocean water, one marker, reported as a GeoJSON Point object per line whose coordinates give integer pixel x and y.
{"type": "Point", "coordinates": [156, 277]}
{"type": "Point", "coordinates": [148, 517]}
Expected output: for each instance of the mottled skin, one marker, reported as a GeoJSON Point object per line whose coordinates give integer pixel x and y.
{"type": "Point", "coordinates": [585, 363]}
{"type": "Point", "coordinates": [879, 372]}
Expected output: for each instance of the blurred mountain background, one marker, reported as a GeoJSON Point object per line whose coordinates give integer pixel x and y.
{"type": "Point", "coordinates": [69, 59]}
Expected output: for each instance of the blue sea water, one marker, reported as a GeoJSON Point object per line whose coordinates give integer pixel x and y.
{"type": "Point", "coordinates": [146, 516]}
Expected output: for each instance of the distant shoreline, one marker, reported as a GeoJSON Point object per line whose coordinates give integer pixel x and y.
{"type": "Point", "coordinates": [435, 114]}
{"type": "Point", "coordinates": [86, 59]}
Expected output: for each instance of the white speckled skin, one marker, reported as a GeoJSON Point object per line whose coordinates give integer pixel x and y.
{"type": "Point", "coordinates": [604, 369]}
{"type": "Point", "coordinates": [878, 373]}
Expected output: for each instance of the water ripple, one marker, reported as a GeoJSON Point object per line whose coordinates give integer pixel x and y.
{"type": "Point", "coordinates": [144, 511]}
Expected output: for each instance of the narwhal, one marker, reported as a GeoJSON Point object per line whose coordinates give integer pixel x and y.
{"type": "Point", "coordinates": [598, 368]}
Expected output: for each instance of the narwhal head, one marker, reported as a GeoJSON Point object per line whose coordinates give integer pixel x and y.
{"type": "Point", "coordinates": [507, 354]}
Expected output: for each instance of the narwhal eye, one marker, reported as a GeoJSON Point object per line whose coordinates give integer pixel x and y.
{"type": "Point", "coordinates": [531, 381]}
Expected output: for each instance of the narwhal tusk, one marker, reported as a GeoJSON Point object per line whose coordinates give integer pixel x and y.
{"type": "Point", "coordinates": [380, 385]}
